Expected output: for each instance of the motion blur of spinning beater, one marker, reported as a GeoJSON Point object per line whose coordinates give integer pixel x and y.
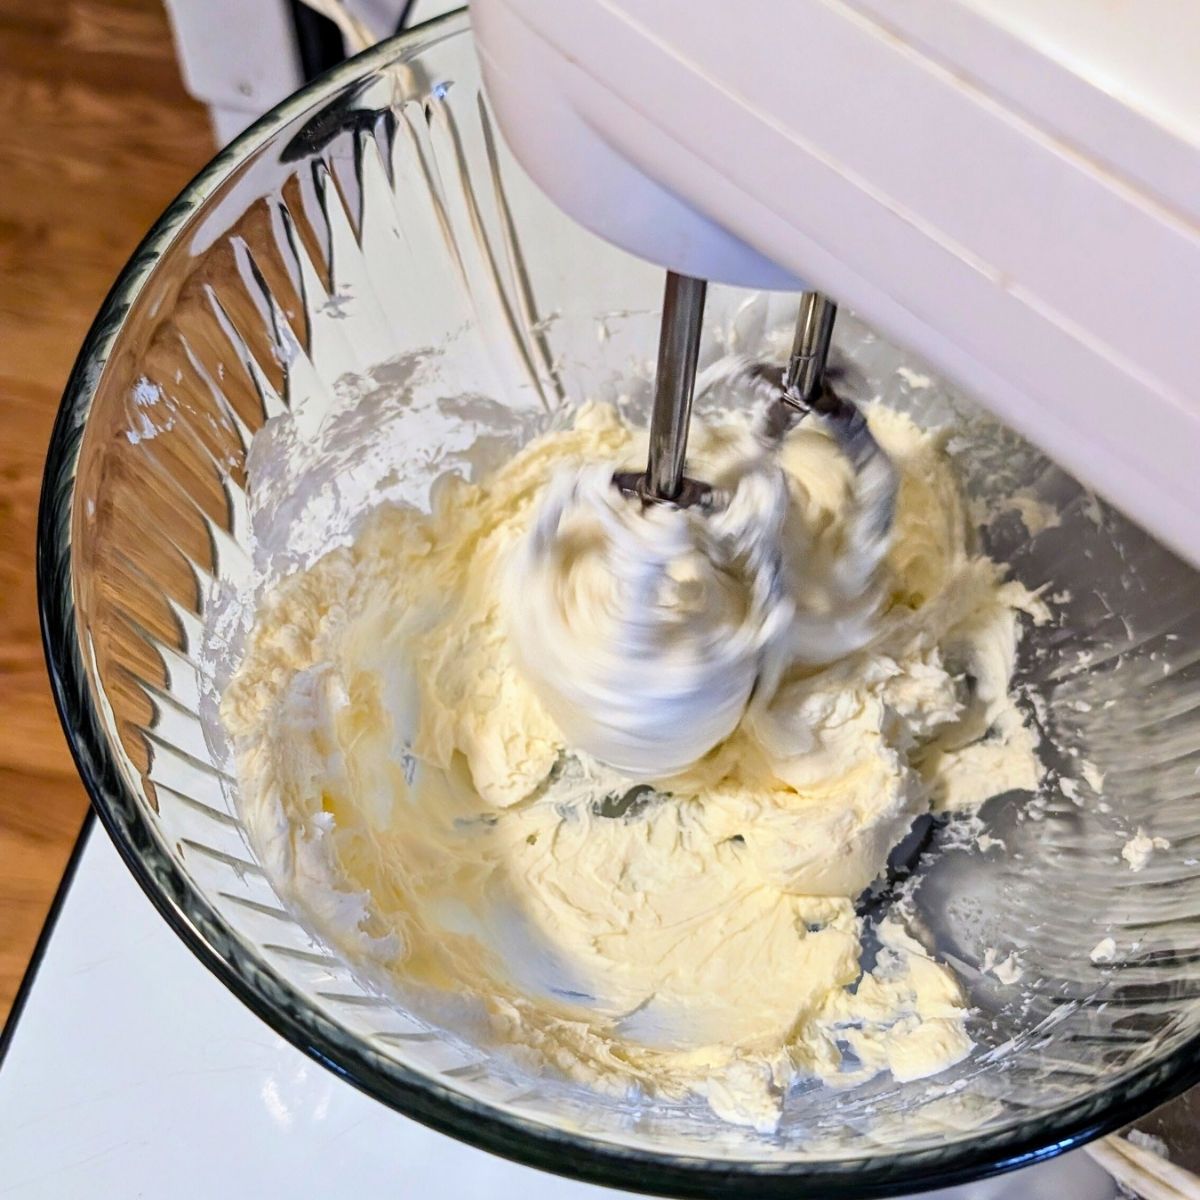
{"type": "Point", "coordinates": [1011, 188]}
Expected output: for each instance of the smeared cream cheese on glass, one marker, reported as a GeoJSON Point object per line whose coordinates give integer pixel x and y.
{"type": "Point", "coordinates": [409, 792]}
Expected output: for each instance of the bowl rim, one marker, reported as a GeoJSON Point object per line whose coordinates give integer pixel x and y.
{"type": "Point", "coordinates": [283, 1007]}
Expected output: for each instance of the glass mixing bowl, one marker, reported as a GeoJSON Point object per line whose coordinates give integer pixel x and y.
{"type": "Point", "coordinates": [365, 291]}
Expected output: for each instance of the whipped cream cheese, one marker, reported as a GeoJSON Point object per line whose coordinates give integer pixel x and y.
{"type": "Point", "coordinates": [688, 929]}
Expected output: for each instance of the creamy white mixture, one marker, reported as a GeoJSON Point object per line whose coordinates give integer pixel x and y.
{"type": "Point", "coordinates": [410, 791]}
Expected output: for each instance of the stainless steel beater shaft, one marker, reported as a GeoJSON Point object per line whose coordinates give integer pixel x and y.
{"type": "Point", "coordinates": [800, 387]}
{"type": "Point", "coordinates": [678, 347]}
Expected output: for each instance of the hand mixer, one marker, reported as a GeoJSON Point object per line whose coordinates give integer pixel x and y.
{"type": "Point", "coordinates": [972, 177]}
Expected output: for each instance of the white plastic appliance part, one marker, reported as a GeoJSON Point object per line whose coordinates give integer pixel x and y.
{"type": "Point", "coordinates": [1011, 188]}
{"type": "Point", "coordinates": [188, 1095]}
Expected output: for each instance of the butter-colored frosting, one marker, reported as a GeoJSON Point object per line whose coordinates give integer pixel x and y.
{"type": "Point", "coordinates": [412, 796]}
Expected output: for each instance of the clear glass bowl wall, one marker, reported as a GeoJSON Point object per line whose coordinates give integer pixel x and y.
{"type": "Point", "coordinates": [369, 272]}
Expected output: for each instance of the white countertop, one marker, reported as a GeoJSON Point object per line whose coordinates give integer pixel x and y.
{"type": "Point", "coordinates": [132, 1072]}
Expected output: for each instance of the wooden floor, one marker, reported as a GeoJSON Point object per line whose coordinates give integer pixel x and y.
{"type": "Point", "coordinates": [97, 136]}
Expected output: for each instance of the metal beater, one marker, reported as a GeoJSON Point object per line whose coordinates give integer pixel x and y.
{"type": "Point", "coordinates": [799, 388]}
